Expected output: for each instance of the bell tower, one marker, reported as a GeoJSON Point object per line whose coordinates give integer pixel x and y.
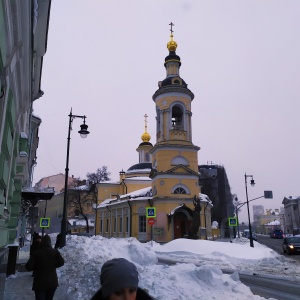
{"type": "Point", "coordinates": [174, 156]}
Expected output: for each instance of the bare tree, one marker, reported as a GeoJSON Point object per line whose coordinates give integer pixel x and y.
{"type": "Point", "coordinates": [100, 175]}
{"type": "Point", "coordinates": [81, 202]}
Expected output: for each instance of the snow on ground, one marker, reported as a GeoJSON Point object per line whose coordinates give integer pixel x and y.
{"type": "Point", "coordinates": [196, 275]}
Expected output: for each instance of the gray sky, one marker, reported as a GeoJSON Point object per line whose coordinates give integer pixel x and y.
{"type": "Point", "coordinates": [241, 59]}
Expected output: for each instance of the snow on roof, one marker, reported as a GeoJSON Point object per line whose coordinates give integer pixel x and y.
{"type": "Point", "coordinates": [175, 208]}
{"type": "Point", "coordinates": [135, 195]}
{"type": "Point", "coordinates": [138, 171]}
{"type": "Point", "coordinates": [38, 190]}
{"type": "Point", "coordinates": [81, 187]}
{"type": "Point", "coordinates": [275, 222]}
{"type": "Point", "coordinates": [139, 178]}
{"type": "Point", "coordinates": [204, 198]}
{"type": "Point", "coordinates": [80, 222]}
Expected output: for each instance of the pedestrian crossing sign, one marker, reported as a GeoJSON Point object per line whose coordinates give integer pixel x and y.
{"type": "Point", "coordinates": [44, 222]}
{"type": "Point", "coordinates": [232, 221]}
{"type": "Point", "coordinates": [150, 212]}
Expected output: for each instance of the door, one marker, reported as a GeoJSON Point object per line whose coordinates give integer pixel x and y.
{"type": "Point", "coordinates": [180, 225]}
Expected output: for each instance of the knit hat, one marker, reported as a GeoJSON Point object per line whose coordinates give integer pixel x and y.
{"type": "Point", "coordinates": [117, 274]}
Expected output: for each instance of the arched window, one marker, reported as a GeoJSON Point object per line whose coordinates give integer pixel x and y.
{"type": "Point", "coordinates": [179, 160]}
{"type": "Point", "coordinates": [180, 190]}
{"type": "Point", "coordinates": [142, 219]}
{"type": "Point", "coordinates": [177, 116]}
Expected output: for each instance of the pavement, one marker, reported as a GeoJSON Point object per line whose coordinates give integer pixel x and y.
{"type": "Point", "coordinates": [19, 285]}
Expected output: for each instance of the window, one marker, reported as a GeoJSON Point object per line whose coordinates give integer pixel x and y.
{"type": "Point", "coordinates": [115, 224]}
{"type": "Point", "coordinates": [127, 224]}
{"type": "Point", "coordinates": [142, 223]}
{"type": "Point", "coordinates": [107, 224]}
{"type": "Point", "coordinates": [147, 157]}
{"type": "Point", "coordinates": [121, 225]}
{"type": "Point", "coordinates": [177, 117]}
{"type": "Point", "coordinates": [180, 190]}
{"type": "Point", "coordinates": [101, 225]}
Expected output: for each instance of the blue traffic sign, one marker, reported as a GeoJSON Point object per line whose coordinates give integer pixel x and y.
{"type": "Point", "coordinates": [232, 221]}
{"type": "Point", "coordinates": [150, 212]}
{"type": "Point", "coordinates": [45, 222]}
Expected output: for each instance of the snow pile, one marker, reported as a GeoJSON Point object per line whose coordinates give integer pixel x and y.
{"type": "Point", "coordinates": [199, 277]}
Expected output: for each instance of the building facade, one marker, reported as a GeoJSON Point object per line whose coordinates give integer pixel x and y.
{"type": "Point", "coordinates": [214, 183]}
{"type": "Point", "coordinates": [291, 214]}
{"type": "Point", "coordinates": [166, 176]}
{"type": "Point", "coordinates": [23, 43]}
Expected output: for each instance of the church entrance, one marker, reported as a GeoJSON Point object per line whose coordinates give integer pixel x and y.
{"type": "Point", "coordinates": [180, 225]}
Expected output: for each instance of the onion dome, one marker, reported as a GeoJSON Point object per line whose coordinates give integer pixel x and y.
{"type": "Point", "coordinates": [172, 45]}
{"type": "Point", "coordinates": [145, 166]}
{"type": "Point", "coordinates": [145, 136]}
{"type": "Point", "coordinates": [172, 57]}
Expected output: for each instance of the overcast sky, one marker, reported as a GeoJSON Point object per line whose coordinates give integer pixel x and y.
{"type": "Point", "coordinates": [241, 59]}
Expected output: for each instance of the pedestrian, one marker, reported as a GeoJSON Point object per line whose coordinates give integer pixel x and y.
{"type": "Point", "coordinates": [43, 262]}
{"type": "Point", "coordinates": [119, 281]}
{"type": "Point", "coordinates": [36, 242]}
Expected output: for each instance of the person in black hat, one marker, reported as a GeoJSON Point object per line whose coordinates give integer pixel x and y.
{"type": "Point", "coordinates": [119, 281]}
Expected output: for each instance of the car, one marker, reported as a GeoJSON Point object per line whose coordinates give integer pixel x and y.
{"type": "Point", "coordinates": [276, 234]}
{"type": "Point", "coordinates": [246, 234]}
{"type": "Point", "coordinates": [291, 245]}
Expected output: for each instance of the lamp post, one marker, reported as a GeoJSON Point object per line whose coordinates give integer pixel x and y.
{"type": "Point", "coordinates": [252, 184]}
{"type": "Point", "coordinates": [83, 133]}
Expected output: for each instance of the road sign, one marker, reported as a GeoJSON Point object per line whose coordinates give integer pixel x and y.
{"type": "Point", "coordinates": [45, 222]}
{"type": "Point", "coordinates": [151, 221]}
{"type": "Point", "coordinates": [150, 212]}
{"type": "Point", "coordinates": [268, 194]}
{"type": "Point", "coordinates": [232, 221]}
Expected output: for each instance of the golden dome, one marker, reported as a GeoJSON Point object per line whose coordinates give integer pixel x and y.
{"type": "Point", "coordinates": [172, 45]}
{"type": "Point", "coordinates": [146, 137]}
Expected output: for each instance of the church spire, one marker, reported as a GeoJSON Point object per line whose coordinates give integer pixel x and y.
{"type": "Point", "coordinates": [146, 136]}
{"type": "Point", "coordinates": [172, 45]}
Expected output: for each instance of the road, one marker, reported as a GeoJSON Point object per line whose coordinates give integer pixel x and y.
{"type": "Point", "coordinates": [265, 286]}
{"type": "Point", "coordinates": [276, 245]}
{"type": "Point", "coordinates": [272, 288]}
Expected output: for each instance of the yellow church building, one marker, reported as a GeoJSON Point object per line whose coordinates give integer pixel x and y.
{"type": "Point", "coordinates": [166, 177]}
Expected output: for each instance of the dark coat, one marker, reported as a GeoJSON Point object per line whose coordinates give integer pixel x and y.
{"type": "Point", "coordinates": [35, 245]}
{"type": "Point", "coordinates": [140, 295]}
{"type": "Point", "coordinates": [43, 262]}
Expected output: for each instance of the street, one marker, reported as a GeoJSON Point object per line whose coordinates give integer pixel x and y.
{"type": "Point", "coordinates": [276, 245]}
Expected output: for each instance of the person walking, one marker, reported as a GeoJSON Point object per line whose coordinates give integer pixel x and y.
{"type": "Point", "coordinates": [119, 281]}
{"type": "Point", "coordinates": [36, 242]}
{"type": "Point", "coordinates": [43, 262]}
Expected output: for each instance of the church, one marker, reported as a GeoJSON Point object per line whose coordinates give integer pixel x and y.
{"type": "Point", "coordinates": [165, 181]}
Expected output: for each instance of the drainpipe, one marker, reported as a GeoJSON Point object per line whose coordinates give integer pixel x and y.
{"type": "Point", "coordinates": [123, 182]}
{"type": "Point", "coordinates": [130, 231]}
{"type": "Point", "coordinates": [205, 220]}
{"type": "Point", "coordinates": [109, 220]}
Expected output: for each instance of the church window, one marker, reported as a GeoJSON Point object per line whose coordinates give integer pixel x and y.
{"type": "Point", "coordinates": [142, 219]}
{"type": "Point", "coordinates": [179, 160]}
{"type": "Point", "coordinates": [147, 157]}
{"type": "Point", "coordinates": [177, 115]}
{"type": "Point", "coordinates": [180, 190]}
{"type": "Point", "coordinates": [142, 223]}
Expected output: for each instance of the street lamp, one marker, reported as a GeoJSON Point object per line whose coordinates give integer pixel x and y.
{"type": "Point", "coordinates": [252, 184]}
{"type": "Point", "coordinates": [83, 133]}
